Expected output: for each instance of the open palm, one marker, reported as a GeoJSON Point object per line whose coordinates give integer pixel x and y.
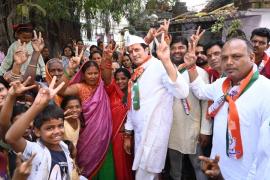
{"type": "Point", "coordinates": [17, 88]}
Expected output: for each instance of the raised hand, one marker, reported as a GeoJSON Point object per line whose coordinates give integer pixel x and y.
{"type": "Point", "coordinates": [74, 62]}
{"type": "Point", "coordinates": [21, 55]}
{"type": "Point", "coordinates": [23, 169]}
{"type": "Point", "coordinates": [163, 50]}
{"type": "Point", "coordinates": [46, 94]}
{"type": "Point", "coordinates": [69, 115]}
{"type": "Point", "coordinates": [17, 88]}
{"type": "Point", "coordinates": [190, 57]}
{"type": "Point", "coordinates": [164, 28]}
{"type": "Point", "coordinates": [210, 166]}
{"type": "Point", "coordinates": [108, 52]}
{"type": "Point", "coordinates": [38, 42]}
{"type": "Point", "coordinates": [197, 36]}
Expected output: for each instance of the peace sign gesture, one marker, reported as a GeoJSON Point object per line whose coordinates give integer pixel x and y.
{"type": "Point", "coordinates": [46, 94]}
{"type": "Point", "coordinates": [21, 55]}
{"type": "Point", "coordinates": [17, 88]}
{"type": "Point", "coordinates": [108, 51]}
{"type": "Point", "coordinates": [38, 42]}
{"type": "Point", "coordinates": [195, 38]}
{"type": "Point", "coordinates": [23, 169]}
{"type": "Point", "coordinates": [74, 62]}
{"type": "Point", "coordinates": [163, 50]}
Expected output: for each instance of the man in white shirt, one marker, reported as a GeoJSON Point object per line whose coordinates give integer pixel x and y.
{"type": "Point", "coordinates": [240, 108]}
{"type": "Point", "coordinates": [152, 88]}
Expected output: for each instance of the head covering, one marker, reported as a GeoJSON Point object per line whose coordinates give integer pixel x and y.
{"type": "Point", "coordinates": [26, 27]}
{"type": "Point", "coordinates": [132, 39]}
{"type": "Point", "coordinates": [57, 98]}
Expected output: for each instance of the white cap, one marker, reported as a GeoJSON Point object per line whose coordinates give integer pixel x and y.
{"type": "Point", "coordinates": [132, 39]}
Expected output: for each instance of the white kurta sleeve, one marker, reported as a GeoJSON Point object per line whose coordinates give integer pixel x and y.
{"type": "Point", "coordinates": [128, 124]}
{"type": "Point", "coordinates": [202, 90]}
{"type": "Point", "coordinates": [179, 88]}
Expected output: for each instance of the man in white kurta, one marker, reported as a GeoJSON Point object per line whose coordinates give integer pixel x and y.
{"type": "Point", "coordinates": [152, 122]}
{"type": "Point", "coordinates": [252, 106]}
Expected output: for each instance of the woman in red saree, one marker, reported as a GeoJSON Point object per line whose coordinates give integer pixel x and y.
{"type": "Point", "coordinates": [117, 91]}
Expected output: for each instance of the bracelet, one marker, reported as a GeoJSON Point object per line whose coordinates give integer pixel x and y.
{"type": "Point", "coordinates": [31, 65]}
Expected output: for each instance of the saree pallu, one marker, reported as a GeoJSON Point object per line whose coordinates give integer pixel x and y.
{"type": "Point", "coordinates": [95, 137]}
{"type": "Point", "coordinates": [122, 160]}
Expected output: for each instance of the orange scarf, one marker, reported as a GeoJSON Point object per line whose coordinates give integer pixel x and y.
{"type": "Point", "coordinates": [233, 135]}
{"type": "Point", "coordinates": [135, 76]}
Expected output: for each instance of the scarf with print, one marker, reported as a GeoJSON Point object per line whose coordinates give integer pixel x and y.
{"type": "Point", "coordinates": [186, 106]}
{"type": "Point", "coordinates": [263, 62]}
{"type": "Point", "coordinates": [234, 148]}
{"type": "Point", "coordinates": [134, 86]}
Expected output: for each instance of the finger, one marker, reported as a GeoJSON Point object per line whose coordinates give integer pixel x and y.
{"type": "Point", "coordinates": [52, 83]}
{"type": "Point", "coordinates": [217, 157]}
{"type": "Point", "coordinates": [59, 87]}
{"type": "Point", "coordinates": [35, 34]}
{"type": "Point", "coordinates": [18, 159]}
{"type": "Point", "coordinates": [19, 43]}
{"type": "Point", "coordinates": [76, 51]}
{"type": "Point", "coordinates": [200, 35]}
{"type": "Point", "coordinates": [29, 87]}
{"type": "Point", "coordinates": [162, 38]}
{"type": "Point", "coordinates": [26, 81]}
{"type": "Point", "coordinates": [198, 31]}
{"type": "Point", "coordinates": [203, 158]}
{"type": "Point", "coordinates": [39, 35]}
{"type": "Point", "coordinates": [66, 112]}
{"type": "Point", "coordinates": [156, 41]}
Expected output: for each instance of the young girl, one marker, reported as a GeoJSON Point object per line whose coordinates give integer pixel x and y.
{"type": "Point", "coordinates": [72, 122]}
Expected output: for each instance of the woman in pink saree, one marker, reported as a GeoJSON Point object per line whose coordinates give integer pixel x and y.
{"type": "Point", "coordinates": [93, 148]}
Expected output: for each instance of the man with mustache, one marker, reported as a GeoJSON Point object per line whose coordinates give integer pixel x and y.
{"type": "Point", "coordinates": [213, 53]}
{"type": "Point", "coordinates": [201, 57]}
{"type": "Point", "coordinates": [260, 38]}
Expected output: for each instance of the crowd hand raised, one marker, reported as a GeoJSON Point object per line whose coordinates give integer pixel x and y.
{"type": "Point", "coordinates": [21, 55]}
{"type": "Point", "coordinates": [164, 28]}
{"type": "Point", "coordinates": [190, 57]}
{"type": "Point", "coordinates": [210, 166]}
{"type": "Point", "coordinates": [75, 61]}
{"type": "Point", "coordinates": [17, 88]}
{"type": "Point", "coordinates": [38, 42]}
{"type": "Point", "coordinates": [108, 51]}
{"type": "Point", "coordinates": [163, 50]}
{"type": "Point", "coordinates": [197, 36]}
{"type": "Point", "coordinates": [23, 169]}
{"type": "Point", "coordinates": [46, 94]}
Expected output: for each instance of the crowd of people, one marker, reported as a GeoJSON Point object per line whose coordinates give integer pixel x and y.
{"type": "Point", "coordinates": [136, 112]}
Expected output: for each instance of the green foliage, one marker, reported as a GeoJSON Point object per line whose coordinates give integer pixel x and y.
{"type": "Point", "coordinates": [219, 24]}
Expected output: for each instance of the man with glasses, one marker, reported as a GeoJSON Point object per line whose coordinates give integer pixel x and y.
{"type": "Point", "coordinates": [260, 38]}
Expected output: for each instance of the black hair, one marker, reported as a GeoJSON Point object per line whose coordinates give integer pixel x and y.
{"type": "Point", "coordinates": [27, 27]}
{"type": "Point", "coordinates": [18, 109]}
{"type": "Point", "coordinates": [79, 40]}
{"type": "Point", "coordinates": [263, 32]}
{"type": "Point", "coordinates": [179, 39]}
{"type": "Point", "coordinates": [115, 55]}
{"type": "Point", "coordinates": [123, 70]}
{"type": "Point", "coordinates": [99, 41]}
{"type": "Point", "coordinates": [144, 45]}
{"type": "Point", "coordinates": [89, 64]}
{"type": "Point", "coordinates": [52, 111]}
{"type": "Point", "coordinates": [66, 99]}
{"type": "Point", "coordinates": [93, 46]}
{"type": "Point", "coordinates": [72, 52]}
{"type": "Point", "coordinates": [91, 55]}
{"type": "Point", "coordinates": [213, 43]}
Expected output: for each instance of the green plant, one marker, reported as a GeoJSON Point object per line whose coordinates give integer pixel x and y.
{"type": "Point", "coordinates": [219, 24]}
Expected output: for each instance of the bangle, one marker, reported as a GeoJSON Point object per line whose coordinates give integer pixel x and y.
{"type": "Point", "coordinates": [31, 65]}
